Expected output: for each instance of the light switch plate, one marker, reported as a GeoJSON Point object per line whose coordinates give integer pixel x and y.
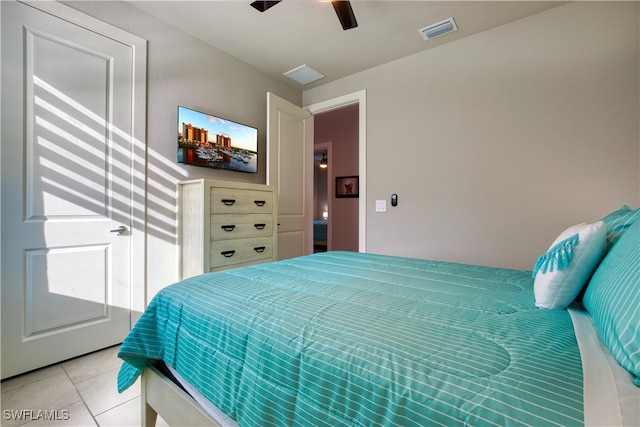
{"type": "Point", "coordinates": [381, 205]}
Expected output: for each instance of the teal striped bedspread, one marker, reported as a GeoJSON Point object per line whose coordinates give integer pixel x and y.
{"type": "Point", "coordinates": [350, 339]}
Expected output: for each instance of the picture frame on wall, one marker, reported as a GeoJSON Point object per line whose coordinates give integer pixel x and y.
{"type": "Point", "coordinates": [347, 186]}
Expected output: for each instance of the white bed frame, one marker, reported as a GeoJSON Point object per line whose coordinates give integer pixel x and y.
{"type": "Point", "coordinates": [161, 396]}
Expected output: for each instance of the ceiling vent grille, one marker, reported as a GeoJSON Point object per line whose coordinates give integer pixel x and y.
{"type": "Point", "coordinates": [439, 29]}
{"type": "Point", "coordinates": [303, 74]}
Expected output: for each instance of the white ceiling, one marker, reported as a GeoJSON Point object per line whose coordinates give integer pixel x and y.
{"type": "Point", "coordinates": [297, 32]}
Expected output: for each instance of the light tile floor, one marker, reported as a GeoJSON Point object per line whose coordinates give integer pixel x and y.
{"type": "Point", "coordinates": [79, 392]}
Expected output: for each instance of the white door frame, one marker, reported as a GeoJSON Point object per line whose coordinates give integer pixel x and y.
{"type": "Point", "coordinates": [139, 178]}
{"type": "Point", "coordinates": [359, 98]}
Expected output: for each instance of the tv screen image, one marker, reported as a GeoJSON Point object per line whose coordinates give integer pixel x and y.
{"type": "Point", "coordinates": [211, 141]}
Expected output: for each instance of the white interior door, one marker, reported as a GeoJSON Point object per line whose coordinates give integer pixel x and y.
{"type": "Point", "coordinates": [290, 170]}
{"type": "Point", "coordinates": [67, 150]}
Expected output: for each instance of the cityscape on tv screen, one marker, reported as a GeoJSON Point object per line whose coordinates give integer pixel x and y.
{"type": "Point", "coordinates": [214, 142]}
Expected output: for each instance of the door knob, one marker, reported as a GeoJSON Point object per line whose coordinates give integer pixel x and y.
{"type": "Point", "coordinates": [120, 230]}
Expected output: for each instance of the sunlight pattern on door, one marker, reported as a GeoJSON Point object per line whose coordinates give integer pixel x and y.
{"type": "Point", "coordinates": [70, 168]}
{"type": "Point", "coordinates": [66, 278]}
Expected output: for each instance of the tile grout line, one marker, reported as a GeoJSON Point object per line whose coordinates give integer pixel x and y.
{"type": "Point", "coordinates": [117, 406]}
{"type": "Point", "coordinates": [79, 395]}
{"type": "Point", "coordinates": [70, 372]}
{"type": "Point", "coordinates": [26, 421]}
{"type": "Point", "coordinates": [94, 375]}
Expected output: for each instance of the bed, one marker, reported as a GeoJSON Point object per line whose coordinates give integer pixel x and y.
{"type": "Point", "coordinates": [342, 338]}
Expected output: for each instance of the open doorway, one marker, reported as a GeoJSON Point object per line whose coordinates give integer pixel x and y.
{"type": "Point", "coordinates": [336, 211]}
{"type": "Point", "coordinates": [358, 98]}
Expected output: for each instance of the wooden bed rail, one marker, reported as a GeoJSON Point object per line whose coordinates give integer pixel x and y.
{"type": "Point", "coordinates": [162, 396]}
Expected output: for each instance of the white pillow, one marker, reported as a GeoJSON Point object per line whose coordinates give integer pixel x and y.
{"type": "Point", "coordinates": [561, 273]}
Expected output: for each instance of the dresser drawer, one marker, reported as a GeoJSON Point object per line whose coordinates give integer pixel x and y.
{"type": "Point", "coordinates": [229, 252]}
{"type": "Point", "coordinates": [225, 224]}
{"type": "Point", "coordinates": [229, 200]}
{"type": "Point", "coordinates": [240, 226]}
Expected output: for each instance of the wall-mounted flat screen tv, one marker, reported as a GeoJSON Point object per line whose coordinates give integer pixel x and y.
{"type": "Point", "coordinates": [214, 142]}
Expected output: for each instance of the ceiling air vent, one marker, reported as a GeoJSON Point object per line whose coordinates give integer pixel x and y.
{"type": "Point", "coordinates": [303, 74]}
{"type": "Point", "coordinates": [439, 29]}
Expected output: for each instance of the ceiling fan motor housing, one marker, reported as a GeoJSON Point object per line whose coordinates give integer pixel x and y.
{"type": "Point", "coordinates": [342, 7]}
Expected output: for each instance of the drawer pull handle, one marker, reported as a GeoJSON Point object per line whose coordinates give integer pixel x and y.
{"type": "Point", "coordinates": [260, 202]}
{"type": "Point", "coordinates": [228, 227]}
{"type": "Point", "coordinates": [260, 226]}
{"type": "Point", "coordinates": [228, 202]}
{"type": "Point", "coordinates": [259, 249]}
{"type": "Point", "coordinates": [227, 254]}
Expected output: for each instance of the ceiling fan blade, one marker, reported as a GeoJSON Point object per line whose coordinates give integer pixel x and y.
{"type": "Point", "coordinates": [264, 5]}
{"type": "Point", "coordinates": [345, 14]}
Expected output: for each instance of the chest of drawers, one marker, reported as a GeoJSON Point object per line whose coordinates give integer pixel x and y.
{"type": "Point", "coordinates": [224, 225]}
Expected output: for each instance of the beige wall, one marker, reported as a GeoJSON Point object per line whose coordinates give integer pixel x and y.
{"type": "Point", "coordinates": [493, 143]}
{"type": "Point", "coordinates": [497, 142]}
{"type": "Point", "coordinates": [185, 71]}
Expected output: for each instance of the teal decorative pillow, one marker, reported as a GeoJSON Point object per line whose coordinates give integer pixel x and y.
{"type": "Point", "coordinates": [561, 273]}
{"type": "Point", "coordinates": [618, 221]}
{"type": "Point", "coordinates": [613, 299]}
